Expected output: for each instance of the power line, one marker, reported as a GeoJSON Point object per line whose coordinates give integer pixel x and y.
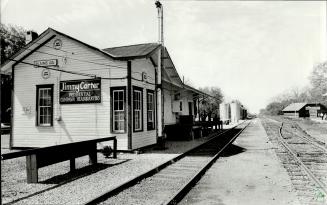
{"type": "Point", "coordinates": [143, 81]}
{"type": "Point", "coordinates": [67, 71]}
{"type": "Point", "coordinates": [47, 67]}
{"type": "Point", "coordinates": [87, 61]}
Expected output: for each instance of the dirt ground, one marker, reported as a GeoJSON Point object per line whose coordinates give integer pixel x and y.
{"type": "Point", "coordinates": [248, 173]}
{"type": "Point", "coordinates": [316, 129]}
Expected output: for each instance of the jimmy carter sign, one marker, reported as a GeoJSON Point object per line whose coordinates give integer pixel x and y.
{"type": "Point", "coordinates": [80, 91]}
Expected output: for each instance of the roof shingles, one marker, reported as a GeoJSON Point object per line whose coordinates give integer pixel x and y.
{"type": "Point", "coordinates": [294, 107]}
{"type": "Point", "coordinates": [140, 50]}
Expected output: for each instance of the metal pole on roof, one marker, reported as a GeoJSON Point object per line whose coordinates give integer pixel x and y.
{"type": "Point", "coordinates": [160, 110]}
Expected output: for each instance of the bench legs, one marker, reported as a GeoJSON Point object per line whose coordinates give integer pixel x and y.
{"type": "Point", "coordinates": [31, 169]}
{"type": "Point", "coordinates": [72, 164]}
{"type": "Point", "coordinates": [115, 149]}
{"type": "Point", "coordinates": [93, 156]}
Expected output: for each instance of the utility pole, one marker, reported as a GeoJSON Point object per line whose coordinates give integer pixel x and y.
{"type": "Point", "coordinates": [159, 92]}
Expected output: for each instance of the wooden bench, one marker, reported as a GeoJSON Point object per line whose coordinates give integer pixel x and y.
{"type": "Point", "coordinates": [41, 157]}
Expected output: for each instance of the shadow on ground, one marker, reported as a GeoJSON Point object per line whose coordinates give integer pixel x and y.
{"type": "Point", "coordinates": [60, 180]}
{"type": "Point", "coordinates": [178, 146]}
{"type": "Point", "coordinates": [232, 150]}
{"type": "Point", "coordinates": [79, 173]}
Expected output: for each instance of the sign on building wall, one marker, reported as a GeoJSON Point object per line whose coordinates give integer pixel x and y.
{"type": "Point", "coordinates": [80, 91]}
{"type": "Point", "coordinates": [49, 62]}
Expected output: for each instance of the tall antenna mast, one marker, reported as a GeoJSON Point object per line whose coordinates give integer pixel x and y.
{"type": "Point", "coordinates": [160, 96]}
{"type": "Point", "coordinates": [160, 24]}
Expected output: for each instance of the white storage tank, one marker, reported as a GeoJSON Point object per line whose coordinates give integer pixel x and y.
{"type": "Point", "coordinates": [224, 111]}
{"type": "Point", "coordinates": [235, 108]}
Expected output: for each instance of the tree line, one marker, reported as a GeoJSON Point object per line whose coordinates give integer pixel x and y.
{"type": "Point", "coordinates": [316, 92]}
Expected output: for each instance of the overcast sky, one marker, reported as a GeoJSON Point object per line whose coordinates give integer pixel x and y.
{"type": "Point", "coordinates": [252, 50]}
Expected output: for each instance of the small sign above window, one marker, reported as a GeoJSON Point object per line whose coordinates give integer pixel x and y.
{"type": "Point", "coordinates": [46, 73]}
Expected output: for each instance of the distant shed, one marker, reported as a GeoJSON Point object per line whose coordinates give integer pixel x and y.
{"type": "Point", "coordinates": [311, 110]}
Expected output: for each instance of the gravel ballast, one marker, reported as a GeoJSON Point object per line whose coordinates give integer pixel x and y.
{"type": "Point", "coordinates": [58, 186]}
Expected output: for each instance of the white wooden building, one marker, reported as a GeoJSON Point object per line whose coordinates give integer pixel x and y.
{"type": "Point", "coordinates": [89, 93]}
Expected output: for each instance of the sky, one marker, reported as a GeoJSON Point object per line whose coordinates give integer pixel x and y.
{"type": "Point", "coordinates": [252, 50]}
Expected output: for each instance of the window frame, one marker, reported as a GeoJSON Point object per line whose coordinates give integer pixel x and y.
{"type": "Point", "coordinates": [112, 115]}
{"type": "Point", "coordinates": [38, 88]}
{"type": "Point", "coordinates": [151, 92]}
{"type": "Point", "coordinates": [139, 90]}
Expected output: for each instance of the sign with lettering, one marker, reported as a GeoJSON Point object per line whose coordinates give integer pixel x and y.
{"type": "Point", "coordinates": [45, 73]}
{"type": "Point", "coordinates": [50, 62]}
{"type": "Point", "coordinates": [312, 108]}
{"type": "Point", "coordinates": [57, 44]}
{"type": "Point", "coordinates": [144, 76]}
{"type": "Point", "coordinates": [80, 91]}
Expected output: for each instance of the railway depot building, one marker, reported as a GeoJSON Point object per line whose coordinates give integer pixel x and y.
{"type": "Point", "coordinates": [66, 91]}
{"type": "Point", "coordinates": [302, 110]}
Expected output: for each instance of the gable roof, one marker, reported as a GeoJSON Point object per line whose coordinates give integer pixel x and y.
{"type": "Point", "coordinates": [120, 53]}
{"type": "Point", "coordinates": [132, 51]}
{"type": "Point", "coordinates": [294, 107]}
{"type": "Point", "coordinates": [42, 39]}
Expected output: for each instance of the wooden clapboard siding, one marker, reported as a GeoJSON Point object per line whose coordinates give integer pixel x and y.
{"type": "Point", "coordinates": [79, 121]}
{"type": "Point", "coordinates": [145, 137]}
{"type": "Point", "coordinates": [169, 116]}
{"type": "Point", "coordinates": [186, 97]}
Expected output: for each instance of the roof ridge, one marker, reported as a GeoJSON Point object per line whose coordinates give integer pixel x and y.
{"type": "Point", "coordinates": [130, 45]}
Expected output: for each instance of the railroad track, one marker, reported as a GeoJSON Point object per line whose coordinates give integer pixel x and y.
{"type": "Point", "coordinates": [300, 132]}
{"type": "Point", "coordinates": [304, 160]}
{"type": "Point", "coordinates": [170, 183]}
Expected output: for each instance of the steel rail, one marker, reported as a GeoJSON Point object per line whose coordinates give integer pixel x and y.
{"type": "Point", "coordinates": [109, 193]}
{"type": "Point", "coordinates": [311, 141]}
{"type": "Point", "coordinates": [189, 184]}
{"type": "Point", "coordinates": [307, 170]}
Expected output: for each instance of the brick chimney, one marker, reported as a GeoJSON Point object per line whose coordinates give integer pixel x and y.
{"type": "Point", "coordinates": [30, 36]}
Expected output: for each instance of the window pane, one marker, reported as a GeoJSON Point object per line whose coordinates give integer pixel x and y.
{"type": "Point", "coordinates": [118, 126]}
{"type": "Point", "coordinates": [121, 105]}
{"type": "Point", "coordinates": [150, 111]}
{"type": "Point", "coordinates": [137, 107]}
{"type": "Point", "coordinates": [44, 106]}
{"type": "Point", "coordinates": [118, 111]}
{"type": "Point", "coordinates": [115, 105]}
{"type": "Point", "coordinates": [121, 125]}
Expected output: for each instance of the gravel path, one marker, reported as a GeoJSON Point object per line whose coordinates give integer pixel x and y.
{"type": "Point", "coordinates": [59, 186]}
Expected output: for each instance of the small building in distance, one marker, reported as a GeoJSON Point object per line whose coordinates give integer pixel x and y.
{"type": "Point", "coordinates": [297, 110]}
{"type": "Point", "coordinates": [225, 112]}
{"type": "Point", "coordinates": [232, 112]}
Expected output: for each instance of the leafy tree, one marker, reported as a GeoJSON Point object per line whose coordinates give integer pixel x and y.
{"type": "Point", "coordinates": [314, 94]}
{"type": "Point", "coordinates": [209, 107]}
{"type": "Point", "coordinates": [275, 108]}
{"type": "Point", "coordinates": [318, 79]}
{"type": "Point", "coordinates": [12, 40]}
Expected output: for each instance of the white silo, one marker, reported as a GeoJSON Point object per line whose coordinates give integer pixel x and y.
{"type": "Point", "coordinates": [235, 108]}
